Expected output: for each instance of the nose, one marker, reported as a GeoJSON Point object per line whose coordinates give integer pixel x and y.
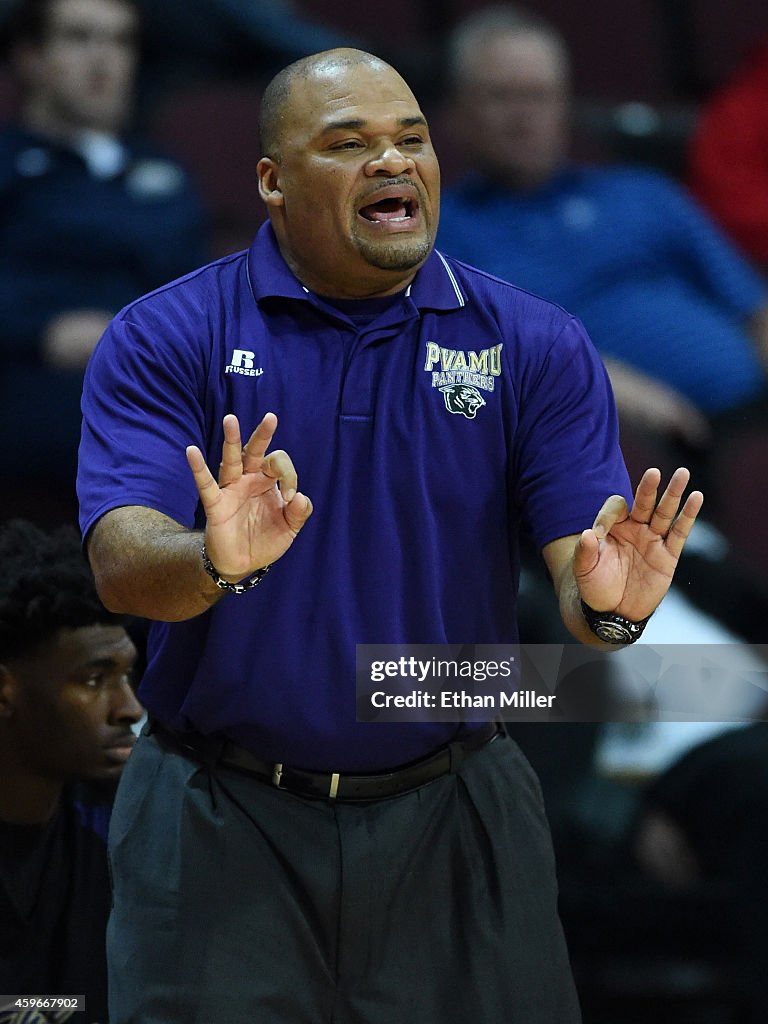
{"type": "Point", "coordinates": [390, 161]}
{"type": "Point", "coordinates": [124, 707]}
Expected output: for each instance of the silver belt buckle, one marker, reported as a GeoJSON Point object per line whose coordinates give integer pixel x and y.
{"type": "Point", "coordinates": [334, 786]}
{"type": "Point", "coordinates": [277, 774]}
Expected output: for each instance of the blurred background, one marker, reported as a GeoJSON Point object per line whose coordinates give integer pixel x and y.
{"type": "Point", "coordinates": [642, 73]}
{"type": "Point", "coordinates": [661, 835]}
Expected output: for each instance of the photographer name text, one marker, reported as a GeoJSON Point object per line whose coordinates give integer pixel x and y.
{"type": "Point", "coordinates": [462, 699]}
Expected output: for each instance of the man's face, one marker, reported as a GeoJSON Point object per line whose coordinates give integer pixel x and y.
{"type": "Point", "coordinates": [74, 705]}
{"type": "Point", "coordinates": [514, 109]}
{"type": "Point", "coordinates": [354, 191]}
{"type": "Point", "coordinates": [84, 68]}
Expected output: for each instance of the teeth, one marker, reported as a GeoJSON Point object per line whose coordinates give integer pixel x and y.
{"type": "Point", "coordinates": [407, 204]}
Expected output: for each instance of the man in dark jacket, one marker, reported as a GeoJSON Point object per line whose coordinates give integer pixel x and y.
{"type": "Point", "coordinates": [90, 217]}
{"type": "Point", "coordinates": [66, 712]}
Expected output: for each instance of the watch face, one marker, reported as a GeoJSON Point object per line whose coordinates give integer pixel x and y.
{"type": "Point", "coordinates": [613, 632]}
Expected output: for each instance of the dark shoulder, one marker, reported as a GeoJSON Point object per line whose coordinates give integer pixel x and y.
{"type": "Point", "coordinates": [196, 294]}
{"type": "Point", "coordinates": [11, 139]}
{"type": "Point", "coordinates": [12, 142]}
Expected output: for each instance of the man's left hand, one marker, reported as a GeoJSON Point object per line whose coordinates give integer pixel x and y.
{"type": "Point", "coordinates": [625, 562]}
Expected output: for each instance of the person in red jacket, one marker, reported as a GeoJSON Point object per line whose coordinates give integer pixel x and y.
{"type": "Point", "coordinates": [729, 157]}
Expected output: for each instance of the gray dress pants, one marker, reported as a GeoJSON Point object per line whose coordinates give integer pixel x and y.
{"type": "Point", "coordinates": [237, 903]}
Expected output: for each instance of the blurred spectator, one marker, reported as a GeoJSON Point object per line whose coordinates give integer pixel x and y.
{"type": "Point", "coordinates": [729, 157]}
{"type": "Point", "coordinates": [253, 39]}
{"type": "Point", "coordinates": [90, 218]}
{"type": "Point", "coordinates": [185, 42]}
{"type": "Point", "coordinates": [66, 715]}
{"type": "Point", "coordinates": [678, 316]}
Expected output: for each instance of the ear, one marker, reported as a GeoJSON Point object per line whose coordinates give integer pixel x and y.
{"type": "Point", "coordinates": [8, 692]}
{"type": "Point", "coordinates": [268, 172]}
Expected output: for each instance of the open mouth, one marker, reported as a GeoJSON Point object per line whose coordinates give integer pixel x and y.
{"type": "Point", "coordinates": [390, 210]}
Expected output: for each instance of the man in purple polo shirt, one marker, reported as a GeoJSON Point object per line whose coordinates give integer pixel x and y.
{"type": "Point", "coordinates": [273, 858]}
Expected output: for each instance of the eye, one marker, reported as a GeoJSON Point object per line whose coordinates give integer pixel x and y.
{"type": "Point", "coordinates": [94, 681]}
{"type": "Point", "coordinates": [99, 680]}
{"type": "Point", "coordinates": [412, 140]}
{"type": "Point", "coordinates": [347, 144]}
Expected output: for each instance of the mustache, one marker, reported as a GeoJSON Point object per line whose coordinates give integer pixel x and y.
{"type": "Point", "coordinates": [399, 180]}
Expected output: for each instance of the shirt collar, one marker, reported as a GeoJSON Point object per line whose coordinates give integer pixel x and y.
{"type": "Point", "coordinates": [104, 155]}
{"type": "Point", "coordinates": [434, 287]}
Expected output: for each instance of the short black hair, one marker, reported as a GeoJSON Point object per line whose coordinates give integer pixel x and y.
{"type": "Point", "coordinates": [27, 22]}
{"type": "Point", "coordinates": [46, 585]}
{"type": "Point", "coordinates": [278, 90]}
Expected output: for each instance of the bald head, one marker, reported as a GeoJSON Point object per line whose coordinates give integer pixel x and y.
{"type": "Point", "coordinates": [275, 103]}
{"type": "Point", "coordinates": [350, 178]}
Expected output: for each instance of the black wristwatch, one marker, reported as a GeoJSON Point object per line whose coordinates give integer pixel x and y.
{"type": "Point", "coordinates": [231, 588]}
{"type": "Point", "coordinates": [612, 628]}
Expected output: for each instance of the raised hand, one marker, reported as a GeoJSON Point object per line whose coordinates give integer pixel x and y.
{"type": "Point", "coordinates": [625, 562]}
{"type": "Point", "coordinates": [254, 511]}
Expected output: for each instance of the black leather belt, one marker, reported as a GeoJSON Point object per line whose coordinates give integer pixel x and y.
{"type": "Point", "coordinates": [324, 785]}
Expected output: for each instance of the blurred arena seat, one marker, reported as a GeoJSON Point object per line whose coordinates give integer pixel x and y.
{"type": "Point", "coordinates": [742, 497]}
{"type": "Point", "coordinates": [398, 22]}
{"type": "Point", "coordinates": [717, 41]}
{"type": "Point", "coordinates": [212, 128]}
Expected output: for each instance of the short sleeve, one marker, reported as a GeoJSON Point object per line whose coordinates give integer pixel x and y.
{"type": "Point", "coordinates": [142, 405]}
{"type": "Point", "coordinates": [567, 458]}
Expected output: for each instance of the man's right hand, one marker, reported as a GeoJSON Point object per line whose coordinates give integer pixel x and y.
{"type": "Point", "coordinates": [254, 511]}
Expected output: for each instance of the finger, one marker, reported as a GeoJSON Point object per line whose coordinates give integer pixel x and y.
{"type": "Point", "coordinates": [614, 511]}
{"type": "Point", "coordinates": [297, 512]}
{"type": "Point", "coordinates": [278, 466]}
{"type": "Point", "coordinates": [231, 466]}
{"type": "Point", "coordinates": [666, 510]}
{"type": "Point", "coordinates": [207, 487]}
{"type": "Point", "coordinates": [258, 442]}
{"type": "Point", "coordinates": [645, 496]}
{"type": "Point", "coordinates": [586, 553]}
{"type": "Point", "coordinates": [683, 525]}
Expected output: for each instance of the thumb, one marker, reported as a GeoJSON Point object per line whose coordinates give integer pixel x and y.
{"type": "Point", "coordinates": [297, 511]}
{"type": "Point", "coordinates": [614, 510]}
{"type": "Point", "coordinates": [585, 554]}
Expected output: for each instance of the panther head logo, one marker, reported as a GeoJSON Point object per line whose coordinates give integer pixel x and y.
{"type": "Point", "coordinates": [462, 399]}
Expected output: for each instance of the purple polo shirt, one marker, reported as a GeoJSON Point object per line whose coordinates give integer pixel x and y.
{"type": "Point", "coordinates": [427, 439]}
